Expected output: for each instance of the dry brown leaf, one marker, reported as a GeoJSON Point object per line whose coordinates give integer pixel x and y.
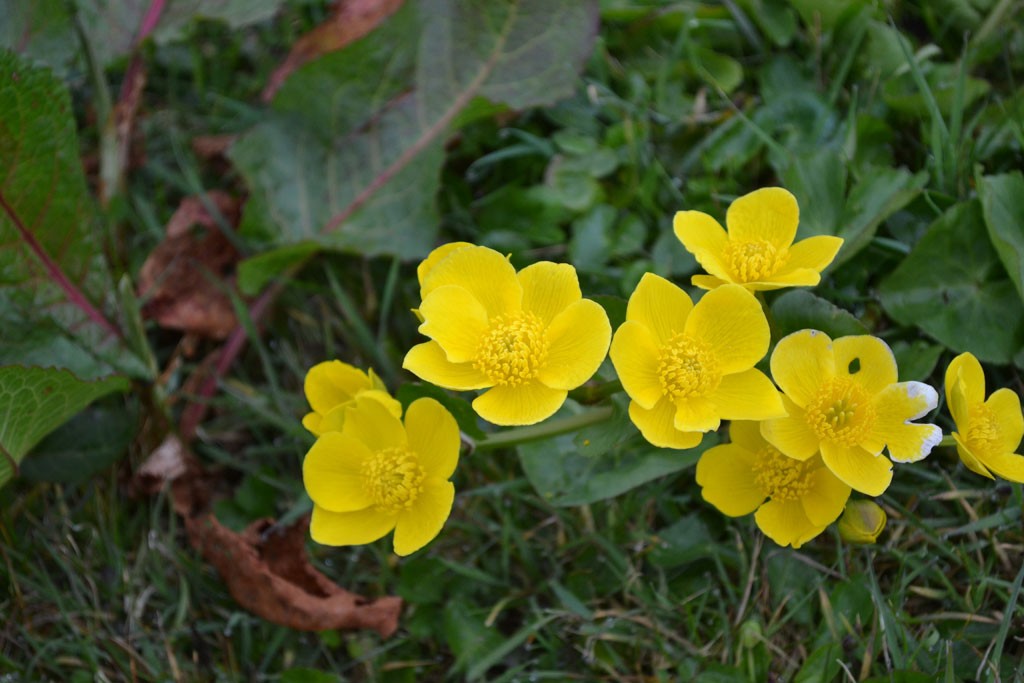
{"type": "Point", "coordinates": [177, 281]}
{"type": "Point", "coordinates": [349, 21]}
{"type": "Point", "coordinates": [265, 567]}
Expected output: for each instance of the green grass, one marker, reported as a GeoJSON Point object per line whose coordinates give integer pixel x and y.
{"type": "Point", "coordinates": [685, 105]}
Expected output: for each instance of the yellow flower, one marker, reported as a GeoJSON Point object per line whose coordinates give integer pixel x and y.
{"type": "Point", "coordinates": [844, 400]}
{"type": "Point", "coordinates": [758, 251]}
{"type": "Point", "coordinates": [331, 386]}
{"type": "Point", "coordinates": [527, 337]}
{"type": "Point", "coordinates": [795, 500]}
{"type": "Point", "coordinates": [862, 522]}
{"type": "Point", "coordinates": [686, 367]}
{"type": "Point", "coordinates": [378, 474]}
{"type": "Point", "coordinates": [990, 430]}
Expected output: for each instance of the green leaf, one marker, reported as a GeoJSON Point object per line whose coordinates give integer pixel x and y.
{"type": "Point", "coordinates": [40, 30]}
{"type": "Point", "coordinates": [564, 473]}
{"type": "Point", "coordinates": [685, 541]}
{"type": "Point", "coordinates": [86, 444]}
{"type": "Point", "coordinates": [55, 281]}
{"type": "Point", "coordinates": [35, 401]}
{"type": "Point", "coordinates": [254, 273]}
{"type": "Point", "coordinates": [916, 360]}
{"type": "Point", "coordinates": [822, 665]}
{"type": "Point", "coordinates": [1002, 202]}
{"type": "Point", "coordinates": [354, 164]}
{"type": "Point", "coordinates": [798, 309]}
{"type": "Point", "coordinates": [954, 288]}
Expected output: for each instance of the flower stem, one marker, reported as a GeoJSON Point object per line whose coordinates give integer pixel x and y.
{"type": "Point", "coordinates": [544, 430]}
{"type": "Point", "coordinates": [947, 440]}
{"type": "Point", "coordinates": [589, 394]}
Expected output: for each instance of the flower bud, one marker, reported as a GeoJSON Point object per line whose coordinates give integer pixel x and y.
{"type": "Point", "coordinates": [862, 522]}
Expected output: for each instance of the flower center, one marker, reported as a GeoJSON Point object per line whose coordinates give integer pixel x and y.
{"type": "Point", "coordinates": [841, 412]}
{"type": "Point", "coordinates": [781, 477]}
{"type": "Point", "coordinates": [982, 430]}
{"type": "Point", "coordinates": [753, 260]}
{"type": "Point", "coordinates": [513, 349]}
{"type": "Point", "coordinates": [687, 367]}
{"type": "Point", "coordinates": [395, 478]}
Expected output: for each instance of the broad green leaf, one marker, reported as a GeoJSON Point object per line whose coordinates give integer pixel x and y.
{"type": "Point", "coordinates": [1002, 202]}
{"type": "Point", "coordinates": [45, 29]}
{"type": "Point", "coordinates": [798, 309]}
{"type": "Point", "coordinates": [564, 473]}
{"type": "Point", "coordinates": [55, 286]}
{"type": "Point", "coordinates": [819, 181]}
{"type": "Point", "coordinates": [822, 665]}
{"type": "Point", "coordinates": [86, 444]}
{"type": "Point", "coordinates": [354, 163]}
{"type": "Point", "coordinates": [35, 401]}
{"type": "Point", "coordinates": [685, 541]}
{"type": "Point", "coordinates": [40, 29]}
{"type": "Point", "coordinates": [916, 360]}
{"type": "Point", "coordinates": [954, 288]}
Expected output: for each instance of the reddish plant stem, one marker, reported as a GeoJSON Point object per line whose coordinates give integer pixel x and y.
{"type": "Point", "coordinates": [72, 292]}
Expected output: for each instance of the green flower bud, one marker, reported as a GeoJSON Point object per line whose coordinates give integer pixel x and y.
{"type": "Point", "coordinates": [862, 522]}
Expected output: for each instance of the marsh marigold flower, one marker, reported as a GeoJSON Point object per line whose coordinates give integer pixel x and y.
{"type": "Point", "coordinates": [758, 251]}
{"type": "Point", "coordinates": [379, 474]}
{"type": "Point", "coordinates": [526, 337]}
{"type": "Point", "coordinates": [686, 367]}
{"type": "Point", "coordinates": [331, 386]}
{"type": "Point", "coordinates": [795, 500]}
{"type": "Point", "coordinates": [989, 430]}
{"type": "Point", "coordinates": [844, 400]}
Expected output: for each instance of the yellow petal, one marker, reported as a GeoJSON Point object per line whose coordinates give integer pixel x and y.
{"type": "Point", "coordinates": [726, 476]}
{"type": "Point", "coordinates": [311, 421]}
{"type": "Point", "coordinates": [696, 414]}
{"type": "Point", "coordinates": [825, 498]}
{"type": "Point", "coordinates": [350, 528]}
{"type": "Point", "coordinates": [1009, 466]}
{"type": "Point", "coordinates": [707, 281]}
{"type": "Point", "coordinates": [791, 435]}
{"type": "Point", "coordinates": [376, 383]}
{"type": "Point", "coordinates": [747, 395]}
{"type": "Point", "coordinates": [485, 273]}
{"type": "Point", "coordinates": [578, 340]}
{"type": "Point", "coordinates": [786, 523]}
{"type": "Point", "coordinates": [813, 253]}
{"type": "Point", "coordinates": [385, 399]}
{"type": "Point", "coordinates": [747, 434]}
{"type": "Point", "coordinates": [428, 362]}
{"type": "Point", "coordinates": [334, 420]}
{"type": "Point", "coordinates": [965, 371]}
{"type": "Point", "coordinates": [895, 407]}
{"type": "Point", "coordinates": [969, 459]}
{"type": "Point", "coordinates": [801, 363]}
{"type": "Point", "coordinates": [866, 360]}
{"type": "Point", "coordinates": [418, 525]}
{"type": "Point", "coordinates": [525, 404]}
{"type": "Point", "coordinates": [332, 473]}
{"type": "Point", "coordinates": [803, 277]}
{"type": "Point", "coordinates": [634, 354]}
{"type": "Point", "coordinates": [770, 214]}
{"type": "Point", "coordinates": [658, 428]}
{"type": "Point", "coordinates": [333, 383]}
{"type": "Point", "coordinates": [434, 436]}
{"type": "Point", "coordinates": [455, 320]}
{"type": "Point", "coordinates": [862, 471]}
{"type": "Point", "coordinates": [368, 421]}
{"type": "Point", "coordinates": [549, 288]}
{"type": "Point", "coordinates": [660, 306]}
{"type": "Point", "coordinates": [435, 257]}
{"type": "Point", "coordinates": [1004, 405]}
{"type": "Point", "coordinates": [730, 320]}
{"type": "Point", "coordinates": [705, 239]}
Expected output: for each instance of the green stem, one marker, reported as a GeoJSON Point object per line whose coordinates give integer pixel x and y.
{"type": "Point", "coordinates": [948, 441]}
{"type": "Point", "coordinates": [544, 430]}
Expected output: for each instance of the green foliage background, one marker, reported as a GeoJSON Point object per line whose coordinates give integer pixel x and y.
{"type": "Point", "coordinates": [569, 131]}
